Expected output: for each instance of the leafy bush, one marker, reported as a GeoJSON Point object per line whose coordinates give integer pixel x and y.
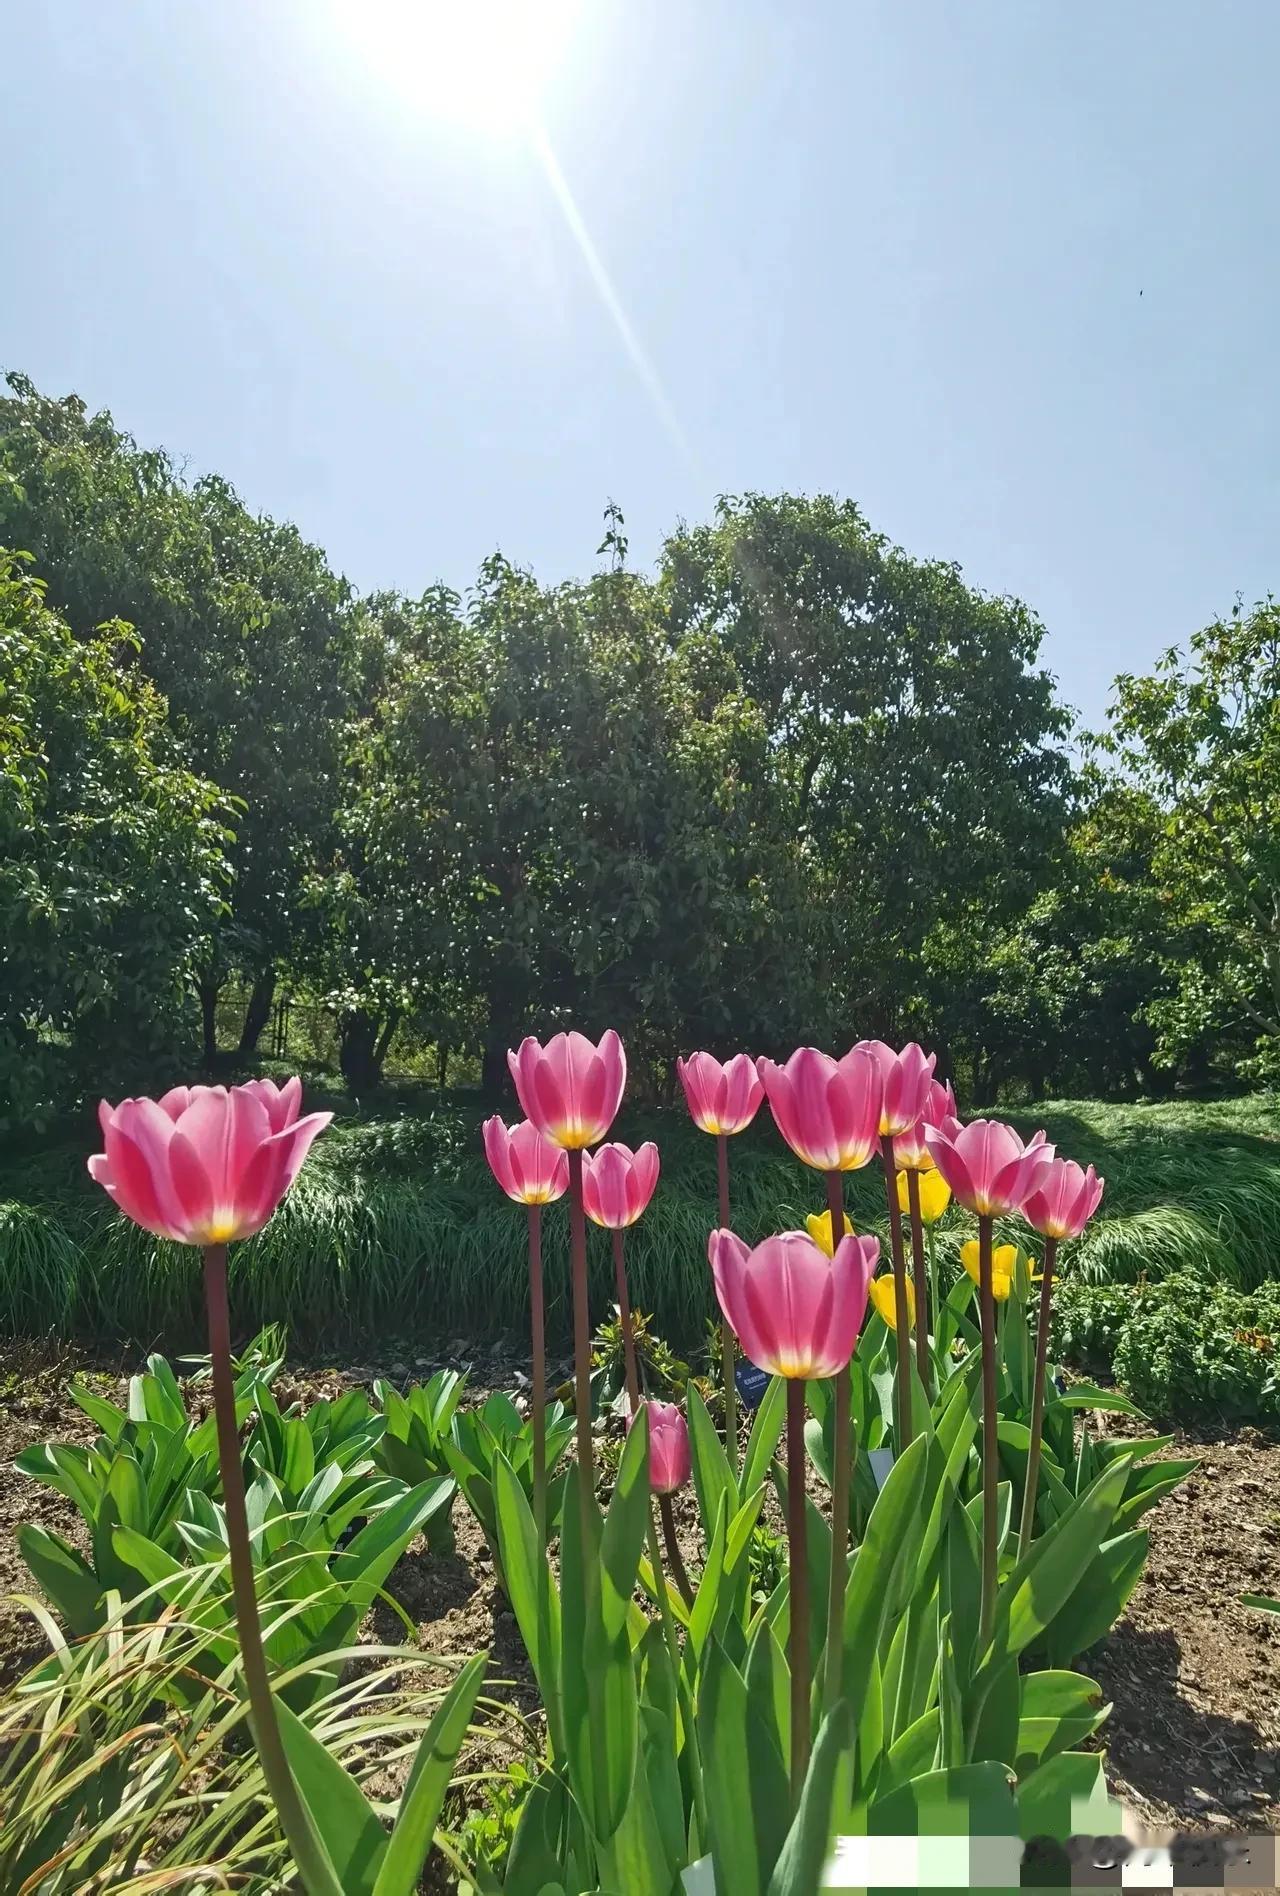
{"type": "Point", "coordinates": [1192, 1347]}
{"type": "Point", "coordinates": [1180, 1347]}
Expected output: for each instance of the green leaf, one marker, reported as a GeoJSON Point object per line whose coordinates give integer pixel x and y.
{"type": "Point", "coordinates": [427, 1783]}
{"type": "Point", "coordinates": [712, 1475]}
{"type": "Point", "coordinates": [531, 1587]}
{"type": "Point", "coordinates": [1068, 1797]}
{"type": "Point", "coordinates": [625, 1525]}
{"type": "Point", "coordinates": [1041, 1584]}
{"type": "Point", "coordinates": [1097, 1603]}
{"type": "Point", "coordinates": [969, 1800]}
{"type": "Point", "coordinates": [363, 1565]}
{"type": "Point", "coordinates": [739, 1830]}
{"type": "Point", "coordinates": [63, 1576]}
{"type": "Point", "coordinates": [808, 1843]}
{"type": "Point", "coordinates": [1087, 1395]}
{"type": "Point", "coordinates": [766, 1430]}
{"type": "Point", "coordinates": [342, 1817]}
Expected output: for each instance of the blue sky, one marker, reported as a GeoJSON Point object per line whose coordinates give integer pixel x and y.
{"type": "Point", "coordinates": [888, 248]}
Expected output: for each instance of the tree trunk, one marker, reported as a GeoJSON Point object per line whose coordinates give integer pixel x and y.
{"type": "Point", "coordinates": [209, 992]}
{"type": "Point", "coordinates": [383, 1045]}
{"type": "Point", "coordinates": [257, 1013]}
{"type": "Point", "coordinates": [357, 1049]}
{"type": "Point", "coordinates": [442, 1067]}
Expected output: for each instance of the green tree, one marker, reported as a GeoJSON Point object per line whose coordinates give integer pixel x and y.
{"type": "Point", "coordinates": [558, 813]}
{"type": "Point", "coordinates": [1201, 736]}
{"type": "Point", "coordinates": [917, 746]}
{"type": "Point", "coordinates": [1064, 997]}
{"type": "Point", "coordinates": [111, 862]}
{"type": "Point", "coordinates": [242, 625]}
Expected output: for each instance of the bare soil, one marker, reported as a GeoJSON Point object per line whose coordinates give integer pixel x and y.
{"type": "Point", "coordinates": [1193, 1739]}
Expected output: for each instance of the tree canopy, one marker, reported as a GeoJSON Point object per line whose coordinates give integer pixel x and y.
{"type": "Point", "coordinates": [797, 784]}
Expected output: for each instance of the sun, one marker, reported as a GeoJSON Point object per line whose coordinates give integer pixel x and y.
{"type": "Point", "coordinates": [481, 63]}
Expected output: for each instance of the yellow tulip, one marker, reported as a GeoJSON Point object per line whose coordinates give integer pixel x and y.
{"type": "Point", "coordinates": [884, 1297]}
{"type": "Point", "coordinates": [934, 1193]}
{"type": "Point", "coordinates": [1004, 1258]}
{"type": "Point", "coordinates": [818, 1225]}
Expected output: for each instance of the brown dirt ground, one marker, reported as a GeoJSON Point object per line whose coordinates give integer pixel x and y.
{"type": "Point", "coordinates": [1193, 1739]}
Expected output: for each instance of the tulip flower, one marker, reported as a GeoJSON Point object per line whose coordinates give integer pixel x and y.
{"type": "Point", "coordinates": [986, 1164]}
{"type": "Point", "coordinates": [990, 1171]}
{"type": "Point", "coordinates": [930, 1190]}
{"type": "Point", "coordinates": [909, 1148]}
{"type": "Point", "coordinates": [1064, 1200]}
{"type": "Point", "coordinates": [570, 1089]}
{"type": "Point", "coordinates": [797, 1314]}
{"type": "Point", "coordinates": [818, 1225]}
{"type": "Point", "coordinates": [670, 1464]}
{"type": "Point", "coordinates": [883, 1295]}
{"type": "Point", "coordinates": [1060, 1206]}
{"type": "Point", "coordinates": [907, 1078]}
{"type": "Point", "coordinates": [723, 1100]}
{"type": "Point", "coordinates": [617, 1184]}
{"type": "Point", "coordinates": [202, 1165]}
{"type": "Point", "coordinates": [828, 1111]}
{"type": "Point", "coordinates": [205, 1166]}
{"type": "Point", "coordinates": [1004, 1264]}
{"type": "Point", "coordinates": [526, 1165]}
{"type": "Point", "coordinates": [534, 1173]}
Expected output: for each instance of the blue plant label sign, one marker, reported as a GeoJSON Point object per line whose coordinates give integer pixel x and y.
{"type": "Point", "coordinates": [752, 1383]}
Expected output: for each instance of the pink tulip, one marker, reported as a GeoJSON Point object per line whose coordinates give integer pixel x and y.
{"type": "Point", "coordinates": [528, 1167]}
{"type": "Point", "coordinates": [722, 1099]}
{"type": "Point", "coordinates": [796, 1312]}
{"type": "Point", "coordinates": [618, 1183]}
{"type": "Point", "coordinates": [1064, 1199]}
{"type": "Point", "coordinates": [986, 1165]}
{"type": "Point", "coordinates": [204, 1165]}
{"type": "Point", "coordinates": [828, 1111]}
{"type": "Point", "coordinates": [907, 1077]}
{"type": "Point", "coordinates": [670, 1463]}
{"type": "Point", "coordinates": [909, 1148]}
{"type": "Point", "coordinates": [570, 1089]}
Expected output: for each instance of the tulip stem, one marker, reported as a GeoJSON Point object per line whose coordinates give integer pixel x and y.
{"type": "Point", "coordinates": [935, 1307]}
{"type": "Point", "coordinates": [581, 1338]}
{"type": "Point", "coordinates": [841, 1470]}
{"type": "Point", "coordinates": [924, 1301]}
{"type": "Point", "coordinates": [309, 1853]}
{"type": "Point", "coordinates": [798, 1572]}
{"type": "Point", "coordinates": [1027, 1526]}
{"type": "Point", "coordinates": [537, 1324]}
{"type": "Point", "coordinates": [900, 1307]}
{"type": "Point", "coordinates": [679, 1572]}
{"type": "Point", "coordinates": [728, 1342]}
{"type": "Point", "coordinates": [990, 1444]}
{"type": "Point", "coordinates": [624, 1318]}
{"type": "Point", "coordinates": [673, 1652]}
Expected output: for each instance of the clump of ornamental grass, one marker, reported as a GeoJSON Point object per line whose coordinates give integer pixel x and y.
{"type": "Point", "coordinates": [117, 1755]}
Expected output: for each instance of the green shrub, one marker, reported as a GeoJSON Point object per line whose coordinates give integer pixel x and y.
{"type": "Point", "coordinates": [1181, 1347]}
{"type": "Point", "coordinates": [1189, 1347]}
